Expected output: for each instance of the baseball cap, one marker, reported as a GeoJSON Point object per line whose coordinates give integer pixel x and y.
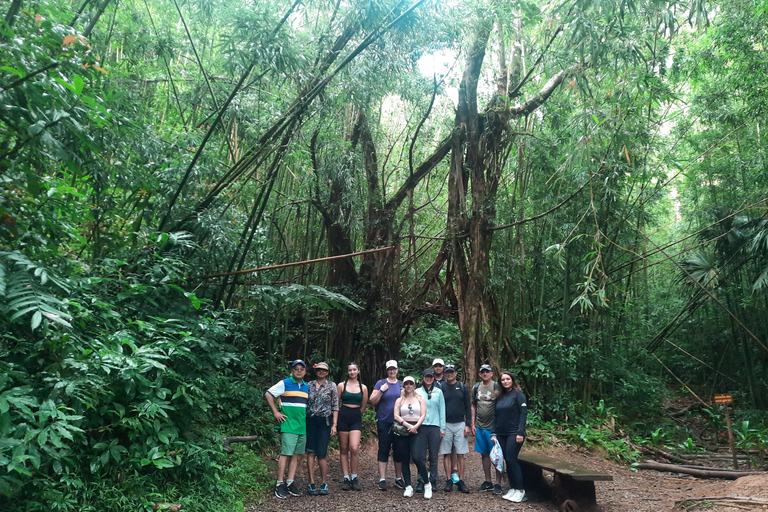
{"type": "Point", "coordinates": [409, 379]}
{"type": "Point", "coordinates": [449, 368]}
{"type": "Point", "coordinates": [438, 361]}
{"type": "Point", "coordinates": [486, 367]}
{"type": "Point", "coordinates": [297, 362]}
{"type": "Point", "coordinates": [428, 371]}
{"type": "Point", "coordinates": [390, 364]}
{"type": "Point", "coordinates": [321, 366]}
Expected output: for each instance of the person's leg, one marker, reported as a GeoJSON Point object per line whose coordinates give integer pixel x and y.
{"type": "Point", "coordinates": [460, 465]}
{"type": "Point", "coordinates": [487, 467]}
{"type": "Point", "coordinates": [401, 454]}
{"type": "Point", "coordinates": [434, 449]}
{"type": "Point", "coordinates": [344, 455]}
{"type": "Point", "coordinates": [398, 469]}
{"type": "Point", "coordinates": [323, 463]}
{"type": "Point", "coordinates": [514, 473]}
{"type": "Point", "coordinates": [416, 446]}
{"type": "Point", "coordinates": [385, 444]}
{"type": "Point", "coordinates": [354, 451]}
{"type": "Point", "coordinates": [282, 462]}
{"type": "Point", "coordinates": [447, 464]}
{"type": "Point", "coordinates": [292, 465]}
{"type": "Point", "coordinates": [310, 467]}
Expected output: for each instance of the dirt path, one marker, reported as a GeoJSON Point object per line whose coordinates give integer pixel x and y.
{"type": "Point", "coordinates": [645, 491]}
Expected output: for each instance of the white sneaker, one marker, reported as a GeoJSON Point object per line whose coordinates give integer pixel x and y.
{"type": "Point", "coordinates": [427, 491]}
{"type": "Point", "coordinates": [519, 497]}
{"type": "Point", "coordinates": [510, 495]}
{"type": "Point", "coordinates": [408, 492]}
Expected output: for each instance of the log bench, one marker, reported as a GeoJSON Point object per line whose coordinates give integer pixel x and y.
{"type": "Point", "coordinates": [573, 486]}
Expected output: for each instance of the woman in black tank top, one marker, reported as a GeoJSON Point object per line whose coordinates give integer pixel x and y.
{"type": "Point", "coordinates": [353, 398]}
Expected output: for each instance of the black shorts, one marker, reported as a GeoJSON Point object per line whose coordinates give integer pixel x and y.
{"type": "Point", "coordinates": [318, 435]}
{"type": "Point", "coordinates": [350, 419]}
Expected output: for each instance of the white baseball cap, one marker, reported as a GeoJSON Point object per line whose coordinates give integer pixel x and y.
{"type": "Point", "coordinates": [390, 364]}
{"type": "Point", "coordinates": [438, 361]}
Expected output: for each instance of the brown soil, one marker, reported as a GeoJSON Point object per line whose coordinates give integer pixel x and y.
{"type": "Point", "coordinates": [644, 491]}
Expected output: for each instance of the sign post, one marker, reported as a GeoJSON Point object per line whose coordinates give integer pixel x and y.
{"type": "Point", "coordinates": [725, 401]}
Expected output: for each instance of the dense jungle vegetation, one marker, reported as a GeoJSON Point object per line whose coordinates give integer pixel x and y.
{"type": "Point", "coordinates": [574, 189]}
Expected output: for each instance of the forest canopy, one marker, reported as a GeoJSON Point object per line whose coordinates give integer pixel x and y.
{"type": "Point", "coordinates": [574, 190]}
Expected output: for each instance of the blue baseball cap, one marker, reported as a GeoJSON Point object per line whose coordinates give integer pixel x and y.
{"type": "Point", "coordinates": [297, 362]}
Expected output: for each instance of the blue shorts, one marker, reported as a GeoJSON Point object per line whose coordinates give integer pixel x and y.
{"type": "Point", "coordinates": [483, 442]}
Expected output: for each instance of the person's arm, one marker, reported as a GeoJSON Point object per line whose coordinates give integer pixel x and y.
{"type": "Point", "coordinates": [474, 413]}
{"type": "Point", "coordinates": [378, 392]}
{"type": "Point", "coordinates": [467, 412]}
{"type": "Point", "coordinates": [365, 399]}
{"type": "Point", "coordinates": [280, 417]}
{"type": "Point", "coordinates": [398, 404]}
{"type": "Point", "coordinates": [423, 409]}
{"type": "Point", "coordinates": [441, 412]}
{"type": "Point", "coordinates": [523, 404]}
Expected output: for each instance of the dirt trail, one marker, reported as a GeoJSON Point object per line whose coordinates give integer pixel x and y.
{"type": "Point", "coordinates": [645, 491]}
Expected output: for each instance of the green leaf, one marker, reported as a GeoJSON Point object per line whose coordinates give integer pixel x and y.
{"type": "Point", "coordinates": [36, 319]}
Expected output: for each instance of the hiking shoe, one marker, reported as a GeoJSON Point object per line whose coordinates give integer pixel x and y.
{"type": "Point", "coordinates": [356, 485]}
{"type": "Point", "coordinates": [281, 491]}
{"type": "Point", "coordinates": [462, 487]}
{"type": "Point", "coordinates": [408, 491]}
{"type": "Point", "coordinates": [427, 491]}
{"type": "Point", "coordinates": [497, 489]}
{"type": "Point", "coordinates": [419, 486]}
{"type": "Point", "coordinates": [448, 485]}
{"type": "Point", "coordinates": [519, 497]}
{"type": "Point", "coordinates": [293, 489]}
{"type": "Point", "coordinates": [400, 483]}
{"type": "Point", "coordinates": [487, 486]}
{"type": "Point", "coordinates": [382, 485]}
{"type": "Point", "coordinates": [323, 490]}
{"type": "Point", "coordinates": [510, 494]}
{"type": "Point", "coordinates": [312, 490]}
{"type": "Point", "coordinates": [455, 478]}
{"type": "Point", "coordinates": [347, 485]}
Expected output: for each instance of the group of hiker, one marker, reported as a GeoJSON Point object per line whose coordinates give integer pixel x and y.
{"type": "Point", "coordinates": [415, 424]}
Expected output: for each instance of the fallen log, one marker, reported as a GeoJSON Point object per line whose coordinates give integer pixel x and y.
{"type": "Point", "coordinates": [700, 473]}
{"type": "Point", "coordinates": [237, 439]}
{"type": "Point", "coordinates": [735, 501]}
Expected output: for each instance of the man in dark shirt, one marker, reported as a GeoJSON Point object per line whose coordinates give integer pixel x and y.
{"type": "Point", "coordinates": [457, 412]}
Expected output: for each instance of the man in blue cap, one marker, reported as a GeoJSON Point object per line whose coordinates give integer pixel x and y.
{"type": "Point", "coordinates": [293, 393]}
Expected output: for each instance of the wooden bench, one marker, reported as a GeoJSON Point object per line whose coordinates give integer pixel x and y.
{"type": "Point", "coordinates": [573, 486]}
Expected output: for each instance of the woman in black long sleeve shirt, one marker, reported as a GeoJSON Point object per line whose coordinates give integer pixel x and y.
{"type": "Point", "coordinates": [509, 430]}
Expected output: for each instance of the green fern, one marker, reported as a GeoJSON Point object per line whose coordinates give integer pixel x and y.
{"type": "Point", "coordinates": [21, 295]}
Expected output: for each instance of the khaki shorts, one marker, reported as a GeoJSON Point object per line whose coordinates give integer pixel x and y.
{"type": "Point", "coordinates": [293, 444]}
{"type": "Point", "coordinates": [454, 436]}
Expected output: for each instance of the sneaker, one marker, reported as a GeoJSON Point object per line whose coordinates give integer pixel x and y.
{"type": "Point", "coordinates": [455, 477]}
{"type": "Point", "coordinates": [347, 485]}
{"type": "Point", "coordinates": [382, 485]}
{"type": "Point", "coordinates": [408, 491]}
{"type": "Point", "coordinates": [448, 485]}
{"type": "Point", "coordinates": [281, 491]}
{"type": "Point", "coordinates": [427, 491]}
{"type": "Point", "coordinates": [510, 494]}
{"type": "Point", "coordinates": [419, 486]}
{"type": "Point", "coordinates": [519, 497]}
{"type": "Point", "coordinates": [400, 483]}
{"type": "Point", "coordinates": [462, 487]}
{"type": "Point", "coordinates": [312, 490]}
{"type": "Point", "coordinates": [356, 485]}
{"type": "Point", "coordinates": [323, 490]}
{"type": "Point", "coordinates": [487, 486]}
{"type": "Point", "coordinates": [293, 489]}
{"type": "Point", "coordinates": [497, 489]}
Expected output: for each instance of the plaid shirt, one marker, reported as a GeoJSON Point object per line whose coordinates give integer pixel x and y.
{"type": "Point", "coordinates": [323, 401]}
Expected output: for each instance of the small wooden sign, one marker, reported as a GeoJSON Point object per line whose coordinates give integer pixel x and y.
{"type": "Point", "coordinates": [723, 399]}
